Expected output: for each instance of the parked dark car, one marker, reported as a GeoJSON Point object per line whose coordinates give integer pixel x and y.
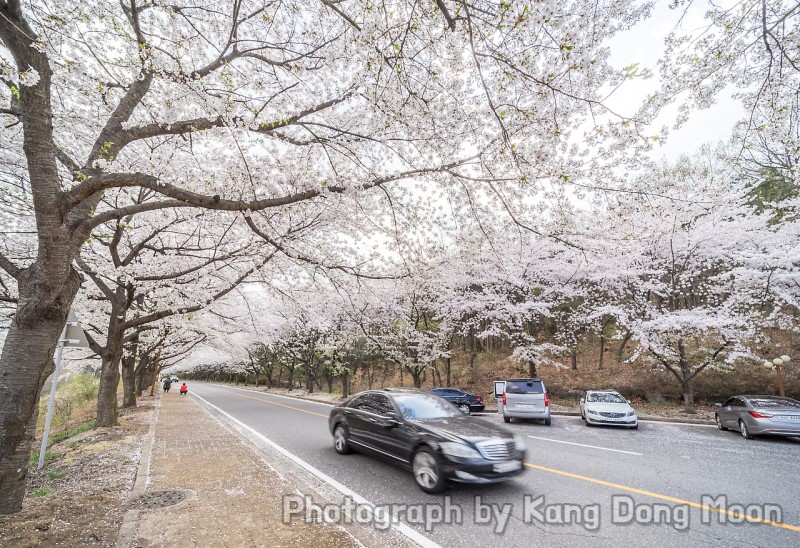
{"type": "Point", "coordinates": [759, 416]}
{"type": "Point", "coordinates": [424, 433]}
{"type": "Point", "coordinates": [468, 403]}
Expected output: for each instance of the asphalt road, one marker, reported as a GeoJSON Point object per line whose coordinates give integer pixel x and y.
{"type": "Point", "coordinates": [609, 485]}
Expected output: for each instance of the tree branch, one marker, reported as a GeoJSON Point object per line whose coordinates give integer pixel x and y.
{"type": "Point", "coordinates": [188, 198]}
{"type": "Point", "coordinates": [137, 322]}
{"type": "Point", "coordinates": [12, 269]}
{"type": "Point", "coordinates": [710, 360]}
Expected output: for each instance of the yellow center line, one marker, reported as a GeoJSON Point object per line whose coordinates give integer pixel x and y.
{"type": "Point", "coordinates": [737, 515]}
{"type": "Point", "coordinates": [282, 405]}
{"type": "Point", "coordinates": [731, 513]}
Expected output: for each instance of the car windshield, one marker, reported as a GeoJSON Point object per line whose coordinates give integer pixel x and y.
{"type": "Point", "coordinates": [524, 387]}
{"type": "Point", "coordinates": [418, 407]}
{"type": "Point", "coordinates": [605, 397]}
{"type": "Point", "coordinates": [775, 403]}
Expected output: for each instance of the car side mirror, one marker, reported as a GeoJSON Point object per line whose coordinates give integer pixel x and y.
{"type": "Point", "coordinates": [628, 401]}
{"type": "Point", "coordinates": [583, 400]}
{"type": "Point", "coordinates": [717, 404]}
{"type": "Point", "coordinates": [391, 420]}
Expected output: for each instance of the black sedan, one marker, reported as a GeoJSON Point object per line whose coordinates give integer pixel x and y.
{"type": "Point", "coordinates": [462, 399]}
{"type": "Point", "coordinates": [425, 434]}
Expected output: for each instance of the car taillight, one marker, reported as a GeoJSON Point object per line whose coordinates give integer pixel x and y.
{"type": "Point", "coordinates": [757, 415]}
{"type": "Point", "coordinates": [504, 398]}
{"type": "Point", "coordinates": [546, 400]}
{"type": "Point", "coordinates": [480, 399]}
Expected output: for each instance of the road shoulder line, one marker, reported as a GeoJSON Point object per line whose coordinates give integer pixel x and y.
{"type": "Point", "coordinates": [401, 528]}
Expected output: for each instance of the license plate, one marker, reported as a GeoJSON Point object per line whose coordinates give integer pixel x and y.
{"type": "Point", "coordinates": [507, 466]}
{"type": "Point", "coordinates": [791, 417]}
{"type": "Point", "coordinates": [526, 406]}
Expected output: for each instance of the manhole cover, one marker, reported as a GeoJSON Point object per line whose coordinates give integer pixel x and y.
{"type": "Point", "coordinates": [158, 499]}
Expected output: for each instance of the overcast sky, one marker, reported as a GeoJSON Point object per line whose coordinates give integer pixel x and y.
{"type": "Point", "coordinates": [644, 44]}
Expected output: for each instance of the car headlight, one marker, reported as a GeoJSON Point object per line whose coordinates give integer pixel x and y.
{"type": "Point", "coordinates": [592, 412]}
{"type": "Point", "coordinates": [632, 414]}
{"type": "Point", "coordinates": [455, 449]}
{"type": "Point", "coordinates": [519, 443]}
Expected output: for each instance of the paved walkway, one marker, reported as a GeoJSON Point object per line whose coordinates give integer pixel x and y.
{"type": "Point", "coordinates": [234, 492]}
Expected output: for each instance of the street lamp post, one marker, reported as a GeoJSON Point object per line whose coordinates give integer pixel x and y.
{"type": "Point", "coordinates": [777, 364]}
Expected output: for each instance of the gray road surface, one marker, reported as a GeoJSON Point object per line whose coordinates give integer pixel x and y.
{"type": "Point", "coordinates": [574, 474]}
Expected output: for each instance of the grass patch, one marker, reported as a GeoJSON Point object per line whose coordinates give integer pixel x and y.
{"type": "Point", "coordinates": [34, 460]}
{"type": "Point", "coordinates": [75, 401]}
{"type": "Point", "coordinates": [66, 434]}
{"type": "Point", "coordinates": [41, 492]}
{"type": "Point", "coordinates": [56, 474]}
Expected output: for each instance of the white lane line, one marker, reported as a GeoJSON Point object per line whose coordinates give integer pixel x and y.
{"type": "Point", "coordinates": [380, 514]}
{"type": "Point", "coordinates": [590, 446]}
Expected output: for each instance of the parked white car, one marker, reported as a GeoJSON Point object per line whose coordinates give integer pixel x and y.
{"type": "Point", "coordinates": [608, 407]}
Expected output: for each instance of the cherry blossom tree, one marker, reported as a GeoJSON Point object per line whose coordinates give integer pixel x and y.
{"type": "Point", "coordinates": [246, 106]}
{"type": "Point", "coordinates": [689, 269]}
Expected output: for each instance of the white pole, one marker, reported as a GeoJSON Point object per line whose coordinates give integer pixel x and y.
{"type": "Point", "coordinates": [59, 351]}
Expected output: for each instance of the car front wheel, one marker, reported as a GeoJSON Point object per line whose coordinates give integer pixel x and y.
{"type": "Point", "coordinates": [427, 472]}
{"type": "Point", "coordinates": [340, 440]}
{"type": "Point", "coordinates": [719, 422]}
{"type": "Point", "coordinates": [745, 432]}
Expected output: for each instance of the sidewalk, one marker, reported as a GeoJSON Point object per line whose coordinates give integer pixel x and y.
{"type": "Point", "coordinates": [233, 490]}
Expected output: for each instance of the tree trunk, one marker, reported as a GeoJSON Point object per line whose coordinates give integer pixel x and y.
{"type": "Point", "coordinates": [27, 361]}
{"type": "Point", "coordinates": [416, 376]}
{"type": "Point", "coordinates": [109, 369]}
{"type": "Point", "coordinates": [623, 344]}
{"type": "Point", "coordinates": [473, 348]}
{"type": "Point", "coordinates": [447, 370]}
{"type": "Point", "coordinates": [532, 368]}
{"type": "Point", "coordinates": [128, 382]}
{"type": "Point", "coordinates": [686, 374]}
{"type": "Point", "coordinates": [574, 359]}
{"type": "Point", "coordinates": [107, 394]}
{"type": "Point", "coordinates": [141, 373]}
{"type": "Point", "coordinates": [129, 373]}
{"type": "Point", "coordinates": [602, 351]}
{"type": "Point", "coordinates": [310, 376]}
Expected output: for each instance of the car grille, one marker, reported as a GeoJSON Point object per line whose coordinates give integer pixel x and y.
{"type": "Point", "coordinates": [495, 449]}
{"type": "Point", "coordinates": [612, 415]}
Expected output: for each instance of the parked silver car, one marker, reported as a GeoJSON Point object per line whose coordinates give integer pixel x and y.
{"type": "Point", "coordinates": [526, 399]}
{"type": "Point", "coordinates": [608, 407]}
{"type": "Point", "coordinates": [759, 416]}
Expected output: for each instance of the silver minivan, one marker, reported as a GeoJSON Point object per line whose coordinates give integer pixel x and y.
{"type": "Point", "coordinates": [526, 399]}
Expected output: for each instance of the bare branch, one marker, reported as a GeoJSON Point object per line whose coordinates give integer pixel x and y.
{"type": "Point", "coordinates": [12, 269]}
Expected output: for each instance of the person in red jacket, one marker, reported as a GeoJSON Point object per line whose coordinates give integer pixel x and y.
{"type": "Point", "coordinates": [184, 389]}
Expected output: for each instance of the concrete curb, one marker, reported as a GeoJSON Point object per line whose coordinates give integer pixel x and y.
{"type": "Point", "coordinates": [127, 531]}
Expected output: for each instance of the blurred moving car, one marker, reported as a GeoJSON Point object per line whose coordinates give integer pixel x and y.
{"type": "Point", "coordinates": [608, 407]}
{"type": "Point", "coordinates": [462, 399]}
{"type": "Point", "coordinates": [759, 416]}
{"type": "Point", "coordinates": [526, 399]}
{"type": "Point", "coordinates": [427, 435]}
